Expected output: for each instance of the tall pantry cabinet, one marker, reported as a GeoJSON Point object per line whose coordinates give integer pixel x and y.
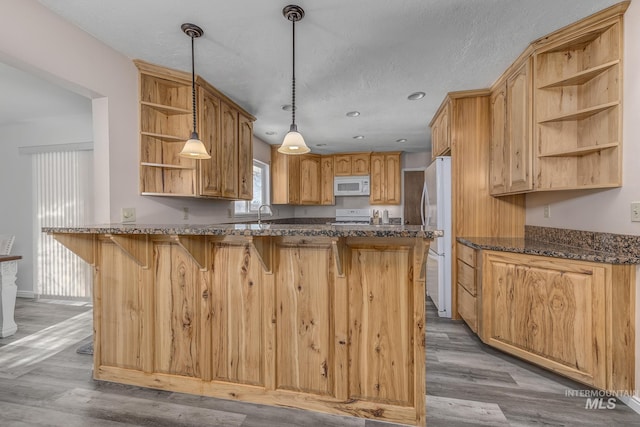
{"type": "Point", "coordinates": [475, 213]}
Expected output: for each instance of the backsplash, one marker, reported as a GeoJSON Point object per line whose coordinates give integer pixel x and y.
{"type": "Point", "coordinates": [604, 242]}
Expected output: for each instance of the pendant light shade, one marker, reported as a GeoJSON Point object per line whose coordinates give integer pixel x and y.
{"type": "Point", "coordinates": [293, 141]}
{"type": "Point", "coordinates": [193, 148]}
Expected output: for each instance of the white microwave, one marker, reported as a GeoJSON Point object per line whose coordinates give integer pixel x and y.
{"type": "Point", "coordinates": [351, 186]}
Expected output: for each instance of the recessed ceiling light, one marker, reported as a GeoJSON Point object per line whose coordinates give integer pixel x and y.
{"type": "Point", "coordinates": [353, 113]}
{"type": "Point", "coordinates": [287, 107]}
{"type": "Point", "coordinates": [415, 96]}
{"type": "Point", "coordinates": [270, 132]}
{"type": "Point", "coordinates": [358, 137]}
{"type": "Point", "coordinates": [401, 140]}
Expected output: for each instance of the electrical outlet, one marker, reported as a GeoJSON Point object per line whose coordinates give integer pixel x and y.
{"type": "Point", "coordinates": [635, 211]}
{"type": "Point", "coordinates": [185, 213]}
{"type": "Point", "coordinates": [547, 211]}
{"type": "Point", "coordinates": [128, 215]}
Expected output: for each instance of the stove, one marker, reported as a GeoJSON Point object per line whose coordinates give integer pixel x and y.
{"type": "Point", "coordinates": [352, 217]}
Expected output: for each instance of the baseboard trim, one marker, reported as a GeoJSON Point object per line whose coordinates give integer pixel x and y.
{"type": "Point", "coordinates": [26, 294]}
{"type": "Point", "coordinates": [632, 402]}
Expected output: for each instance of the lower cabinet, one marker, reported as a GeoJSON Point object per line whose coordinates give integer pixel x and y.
{"type": "Point", "coordinates": [467, 278]}
{"type": "Point", "coordinates": [573, 317]}
{"type": "Point", "coordinates": [307, 322]}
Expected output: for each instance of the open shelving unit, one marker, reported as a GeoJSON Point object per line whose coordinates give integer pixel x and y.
{"type": "Point", "coordinates": [165, 124]}
{"type": "Point", "coordinates": [578, 109]}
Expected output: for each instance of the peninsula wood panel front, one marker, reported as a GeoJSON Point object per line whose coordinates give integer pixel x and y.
{"type": "Point", "coordinates": [237, 293]}
{"type": "Point", "coordinates": [380, 325]}
{"type": "Point", "coordinates": [177, 305]}
{"type": "Point", "coordinates": [552, 313]}
{"type": "Point", "coordinates": [119, 309]}
{"type": "Point", "coordinates": [305, 326]}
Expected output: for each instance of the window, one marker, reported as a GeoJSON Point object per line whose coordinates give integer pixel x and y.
{"type": "Point", "coordinates": [260, 191]}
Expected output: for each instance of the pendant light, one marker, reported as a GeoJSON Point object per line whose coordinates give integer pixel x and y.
{"type": "Point", "coordinates": [293, 141]}
{"type": "Point", "coordinates": [193, 148]}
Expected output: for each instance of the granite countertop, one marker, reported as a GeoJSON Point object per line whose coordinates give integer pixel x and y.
{"type": "Point", "coordinates": [246, 229]}
{"type": "Point", "coordinates": [536, 247]}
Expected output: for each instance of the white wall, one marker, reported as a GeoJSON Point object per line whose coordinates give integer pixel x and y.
{"type": "Point", "coordinates": [16, 180]}
{"type": "Point", "coordinates": [605, 210]}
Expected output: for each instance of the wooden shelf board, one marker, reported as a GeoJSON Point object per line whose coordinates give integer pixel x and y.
{"type": "Point", "coordinates": [580, 151]}
{"type": "Point", "coordinates": [579, 42]}
{"type": "Point", "coordinates": [164, 137]}
{"type": "Point", "coordinates": [581, 77]}
{"type": "Point", "coordinates": [581, 114]}
{"type": "Point", "coordinates": [166, 166]}
{"type": "Point", "coordinates": [581, 187]}
{"type": "Point", "coordinates": [146, 193]}
{"type": "Point", "coordinates": [167, 109]}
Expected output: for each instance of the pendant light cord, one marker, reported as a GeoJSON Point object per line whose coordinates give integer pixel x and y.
{"type": "Point", "coordinates": [193, 85]}
{"type": "Point", "coordinates": [293, 80]}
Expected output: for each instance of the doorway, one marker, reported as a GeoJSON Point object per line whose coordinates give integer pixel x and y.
{"type": "Point", "coordinates": [413, 180]}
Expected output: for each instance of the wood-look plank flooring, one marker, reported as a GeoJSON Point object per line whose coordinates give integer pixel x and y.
{"type": "Point", "coordinates": [468, 384]}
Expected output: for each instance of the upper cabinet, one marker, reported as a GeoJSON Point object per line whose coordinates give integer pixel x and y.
{"type": "Point", "coordinates": [352, 164]}
{"type": "Point", "coordinates": [298, 179]}
{"type": "Point", "coordinates": [557, 112]}
{"type": "Point", "coordinates": [166, 123]}
{"type": "Point", "coordinates": [326, 181]}
{"type": "Point", "coordinates": [441, 131]}
{"type": "Point", "coordinates": [578, 92]}
{"type": "Point", "coordinates": [385, 179]}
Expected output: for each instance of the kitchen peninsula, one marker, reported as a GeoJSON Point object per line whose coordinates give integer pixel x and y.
{"type": "Point", "coordinates": [319, 317]}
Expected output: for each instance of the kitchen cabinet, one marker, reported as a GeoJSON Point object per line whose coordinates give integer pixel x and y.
{"type": "Point", "coordinates": [578, 103]}
{"type": "Point", "coordinates": [166, 122]}
{"type": "Point", "coordinates": [295, 179]}
{"type": "Point", "coordinates": [352, 164]}
{"type": "Point", "coordinates": [441, 131]}
{"type": "Point", "coordinates": [572, 317]}
{"type": "Point", "coordinates": [467, 284]}
{"type": "Point", "coordinates": [511, 132]}
{"type": "Point", "coordinates": [326, 184]}
{"type": "Point", "coordinates": [557, 111]}
{"type": "Point", "coordinates": [385, 188]}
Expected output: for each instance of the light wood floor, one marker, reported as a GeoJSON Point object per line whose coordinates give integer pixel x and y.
{"type": "Point", "coordinates": [468, 384]}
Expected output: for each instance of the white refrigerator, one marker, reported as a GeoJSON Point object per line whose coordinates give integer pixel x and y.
{"type": "Point", "coordinates": [436, 213]}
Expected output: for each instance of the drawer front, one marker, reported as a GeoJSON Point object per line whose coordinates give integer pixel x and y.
{"type": "Point", "coordinates": [466, 254]}
{"type": "Point", "coordinates": [467, 308]}
{"type": "Point", "coordinates": [467, 277]}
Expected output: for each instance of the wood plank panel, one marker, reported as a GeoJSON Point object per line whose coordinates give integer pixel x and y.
{"type": "Point", "coordinates": [305, 327]}
{"type": "Point", "coordinates": [238, 319]}
{"type": "Point", "coordinates": [120, 308]}
{"type": "Point", "coordinates": [177, 304]}
{"type": "Point", "coordinates": [380, 325]}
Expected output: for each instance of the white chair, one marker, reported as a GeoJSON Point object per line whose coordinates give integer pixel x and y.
{"type": "Point", "coordinates": [6, 242]}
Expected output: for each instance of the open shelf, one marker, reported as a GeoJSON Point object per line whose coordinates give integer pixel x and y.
{"type": "Point", "coordinates": [166, 109]}
{"type": "Point", "coordinates": [582, 76]}
{"type": "Point", "coordinates": [172, 138]}
{"type": "Point", "coordinates": [166, 166]}
{"type": "Point", "coordinates": [581, 114]}
{"type": "Point", "coordinates": [580, 151]}
{"type": "Point", "coordinates": [581, 41]}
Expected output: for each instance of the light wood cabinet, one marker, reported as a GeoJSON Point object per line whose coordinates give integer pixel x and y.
{"type": "Point", "coordinates": [573, 317]}
{"type": "Point", "coordinates": [351, 164]}
{"type": "Point", "coordinates": [511, 132]}
{"type": "Point", "coordinates": [578, 81]}
{"type": "Point", "coordinates": [385, 188]}
{"type": "Point", "coordinates": [441, 131]}
{"type": "Point", "coordinates": [296, 180]}
{"type": "Point", "coordinates": [166, 122]}
{"type": "Point", "coordinates": [326, 176]}
{"type": "Point", "coordinates": [569, 135]}
{"type": "Point", "coordinates": [467, 284]}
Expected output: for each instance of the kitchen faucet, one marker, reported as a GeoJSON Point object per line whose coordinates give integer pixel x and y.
{"type": "Point", "coordinates": [260, 212]}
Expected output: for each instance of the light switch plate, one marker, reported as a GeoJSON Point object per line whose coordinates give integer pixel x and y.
{"type": "Point", "coordinates": [128, 215]}
{"type": "Point", "coordinates": [635, 211]}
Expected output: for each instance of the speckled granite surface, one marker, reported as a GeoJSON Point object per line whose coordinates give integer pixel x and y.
{"type": "Point", "coordinates": [309, 230]}
{"type": "Point", "coordinates": [537, 247]}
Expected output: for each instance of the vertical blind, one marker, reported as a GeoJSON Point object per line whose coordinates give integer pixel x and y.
{"type": "Point", "coordinates": [63, 198]}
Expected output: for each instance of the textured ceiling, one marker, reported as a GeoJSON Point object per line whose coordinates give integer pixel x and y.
{"type": "Point", "coordinates": [364, 55]}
